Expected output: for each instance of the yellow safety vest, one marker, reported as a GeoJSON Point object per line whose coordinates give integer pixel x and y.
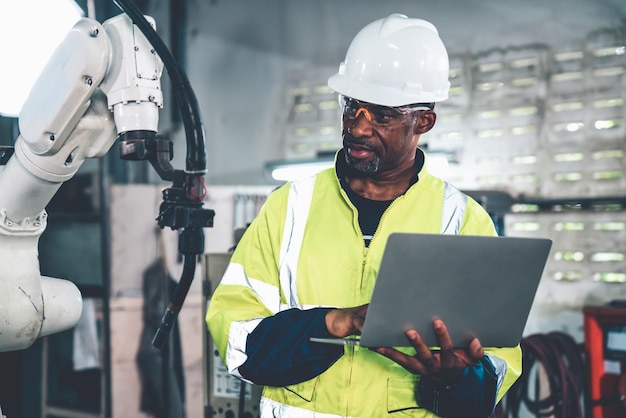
{"type": "Point", "coordinates": [305, 250]}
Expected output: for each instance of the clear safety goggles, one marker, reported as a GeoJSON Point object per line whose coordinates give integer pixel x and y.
{"type": "Point", "coordinates": [376, 114]}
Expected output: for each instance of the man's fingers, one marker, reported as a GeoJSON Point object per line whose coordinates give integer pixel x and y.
{"type": "Point", "coordinates": [422, 350]}
{"type": "Point", "coordinates": [448, 363]}
{"type": "Point", "coordinates": [423, 354]}
{"type": "Point", "coordinates": [411, 364]}
{"type": "Point", "coordinates": [357, 316]}
{"type": "Point", "coordinates": [348, 321]}
{"type": "Point", "coordinates": [445, 342]}
{"type": "Point", "coordinates": [362, 310]}
{"type": "Point", "coordinates": [475, 351]}
{"type": "Point", "coordinates": [357, 323]}
{"type": "Point", "coordinates": [448, 359]}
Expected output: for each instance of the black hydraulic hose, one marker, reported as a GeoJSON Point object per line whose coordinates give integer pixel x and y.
{"type": "Point", "coordinates": [171, 313]}
{"type": "Point", "coordinates": [187, 101]}
{"type": "Point", "coordinates": [563, 360]}
{"type": "Point", "coordinates": [192, 218]}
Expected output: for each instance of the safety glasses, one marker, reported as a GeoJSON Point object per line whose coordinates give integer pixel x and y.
{"type": "Point", "coordinates": [377, 115]}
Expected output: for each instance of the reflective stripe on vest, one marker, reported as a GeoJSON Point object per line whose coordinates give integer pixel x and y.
{"type": "Point", "coordinates": [272, 409]}
{"type": "Point", "coordinates": [454, 204]}
{"type": "Point", "coordinates": [298, 206]}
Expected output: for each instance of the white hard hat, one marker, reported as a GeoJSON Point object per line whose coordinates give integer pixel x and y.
{"type": "Point", "coordinates": [394, 62]}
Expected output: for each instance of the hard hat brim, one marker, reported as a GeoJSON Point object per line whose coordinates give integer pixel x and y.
{"type": "Point", "coordinates": [380, 95]}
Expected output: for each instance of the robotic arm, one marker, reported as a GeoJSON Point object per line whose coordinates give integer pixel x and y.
{"type": "Point", "coordinates": [103, 82]}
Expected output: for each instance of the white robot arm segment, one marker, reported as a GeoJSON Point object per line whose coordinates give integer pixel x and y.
{"type": "Point", "coordinates": [132, 83]}
{"type": "Point", "coordinates": [61, 95]}
{"type": "Point", "coordinates": [65, 119]}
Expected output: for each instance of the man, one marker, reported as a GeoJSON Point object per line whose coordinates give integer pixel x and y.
{"type": "Point", "coordinates": [306, 266]}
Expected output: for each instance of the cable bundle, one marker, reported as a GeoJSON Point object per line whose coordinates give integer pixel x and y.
{"type": "Point", "coordinates": [565, 374]}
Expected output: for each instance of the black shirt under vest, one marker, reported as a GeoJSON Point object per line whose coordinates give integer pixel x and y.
{"type": "Point", "coordinates": [370, 211]}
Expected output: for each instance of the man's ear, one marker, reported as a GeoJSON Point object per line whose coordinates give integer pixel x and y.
{"type": "Point", "coordinates": [425, 121]}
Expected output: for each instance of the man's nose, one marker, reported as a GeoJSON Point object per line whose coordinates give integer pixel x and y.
{"type": "Point", "coordinates": [361, 125]}
{"type": "Point", "coordinates": [365, 113]}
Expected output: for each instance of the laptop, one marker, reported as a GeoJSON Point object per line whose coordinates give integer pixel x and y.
{"type": "Point", "coordinates": [479, 286]}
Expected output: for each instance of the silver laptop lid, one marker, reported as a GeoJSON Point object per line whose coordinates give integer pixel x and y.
{"type": "Point", "coordinates": [479, 286]}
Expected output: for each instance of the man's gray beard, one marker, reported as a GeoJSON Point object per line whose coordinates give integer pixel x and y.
{"type": "Point", "coordinates": [366, 168]}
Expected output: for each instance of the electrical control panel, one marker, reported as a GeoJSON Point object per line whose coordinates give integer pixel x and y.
{"type": "Point", "coordinates": [224, 395]}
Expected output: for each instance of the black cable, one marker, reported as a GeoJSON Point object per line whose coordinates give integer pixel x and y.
{"type": "Point", "coordinates": [566, 374]}
{"type": "Point", "coordinates": [182, 207]}
{"type": "Point", "coordinates": [186, 98]}
{"type": "Point", "coordinates": [171, 313]}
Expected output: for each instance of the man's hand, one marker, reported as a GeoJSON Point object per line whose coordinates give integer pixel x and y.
{"type": "Point", "coordinates": [343, 322]}
{"type": "Point", "coordinates": [445, 365]}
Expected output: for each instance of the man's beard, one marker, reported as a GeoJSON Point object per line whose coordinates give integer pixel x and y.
{"type": "Point", "coordinates": [364, 168]}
